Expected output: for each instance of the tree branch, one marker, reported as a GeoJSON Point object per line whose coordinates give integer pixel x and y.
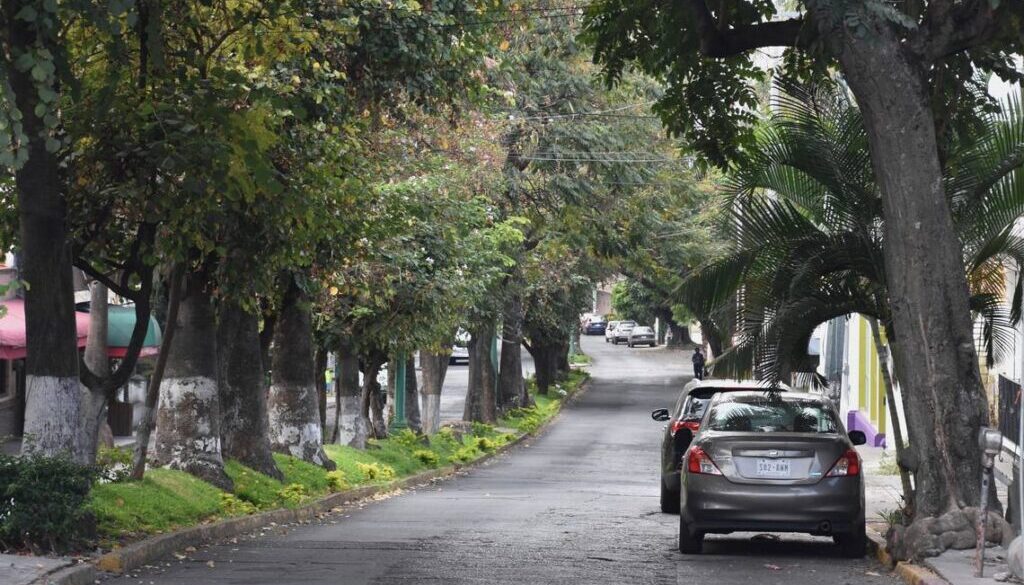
{"type": "Point", "coordinates": [717, 40]}
{"type": "Point", "coordinates": [951, 28]}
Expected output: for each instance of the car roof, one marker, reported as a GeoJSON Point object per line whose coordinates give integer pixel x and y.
{"type": "Point", "coordinates": [753, 385]}
{"type": "Point", "coordinates": [731, 396]}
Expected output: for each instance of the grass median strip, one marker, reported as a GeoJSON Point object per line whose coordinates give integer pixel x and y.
{"type": "Point", "coordinates": [167, 499]}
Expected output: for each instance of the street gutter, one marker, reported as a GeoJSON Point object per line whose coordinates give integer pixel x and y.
{"type": "Point", "coordinates": [910, 573]}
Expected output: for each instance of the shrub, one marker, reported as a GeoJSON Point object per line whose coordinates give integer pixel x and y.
{"type": "Point", "coordinates": [336, 481]}
{"type": "Point", "coordinates": [114, 464]}
{"type": "Point", "coordinates": [482, 429]}
{"type": "Point", "coordinates": [465, 454]}
{"type": "Point", "coordinates": [376, 471]}
{"type": "Point", "coordinates": [43, 502]}
{"type": "Point", "coordinates": [293, 494]}
{"type": "Point", "coordinates": [232, 505]}
{"type": "Point", "coordinates": [526, 420]}
{"type": "Point", "coordinates": [484, 444]}
{"type": "Point", "coordinates": [426, 457]}
{"type": "Point", "coordinates": [407, 438]}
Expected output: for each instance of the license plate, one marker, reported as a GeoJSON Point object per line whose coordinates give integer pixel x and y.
{"type": "Point", "coordinates": [773, 467]}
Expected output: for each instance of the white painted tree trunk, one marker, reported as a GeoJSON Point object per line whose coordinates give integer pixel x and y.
{"type": "Point", "coordinates": [53, 416]}
{"type": "Point", "coordinates": [94, 400]}
{"type": "Point", "coordinates": [188, 418]}
{"type": "Point", "coordinates": [348, 414]}
{"type": "Point", "coordinates": [431, 413]}
{"type": "Point", "coordinates": [294, 402]}
{"type": "Point", "coordinates": [188, 430]}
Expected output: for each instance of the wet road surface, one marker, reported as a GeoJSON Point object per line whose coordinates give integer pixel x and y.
{"type": "Point", "coordinates": [577, 505]}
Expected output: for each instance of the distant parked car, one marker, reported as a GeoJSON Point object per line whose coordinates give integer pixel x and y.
{"type": "Point", "coordinates": [772, 462]}
{"type": "Point", "coordinates": [609, 331]}
{"type": "Point", "coordinates": [622, 332]}
{"type": "Point", "coordinates": [641, 335]}
{"type": "Point", "coordinates": [460, 349]}
{"type": "Point", "coordinates": [595, 326]}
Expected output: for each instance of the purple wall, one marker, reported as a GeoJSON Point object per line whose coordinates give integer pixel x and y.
{"type": "Point", "coordinates": [857, 421]}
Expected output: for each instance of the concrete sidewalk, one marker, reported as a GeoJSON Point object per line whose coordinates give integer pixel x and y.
{"type": "Point", "coordinates": [883, 494]}
{"type": "Point", "coordinates": [27, 570]}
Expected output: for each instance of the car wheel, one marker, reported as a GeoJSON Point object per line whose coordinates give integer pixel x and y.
{"type": "Point", "coordinates": [853, 545]}
{"type": "Point", "coordinates": [690, 543]}
{"type": "Point", "coordinates": [669, 500]}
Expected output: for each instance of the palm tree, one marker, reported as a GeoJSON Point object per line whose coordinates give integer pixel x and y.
{"type": "Point", "coordinates": [806, 219]}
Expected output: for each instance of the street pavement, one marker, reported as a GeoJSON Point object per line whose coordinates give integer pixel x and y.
{"type": "Point", "coordinates": [577, 505]}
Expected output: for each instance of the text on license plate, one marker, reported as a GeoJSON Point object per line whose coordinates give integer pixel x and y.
{"type": "Point", "coordinates": [773, 467]}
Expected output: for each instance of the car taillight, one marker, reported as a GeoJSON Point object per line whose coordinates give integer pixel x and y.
{"type": "Point", "coordinates": [693, 425]}
{"type": "Point", "coordinates": [697, 461]}
{"type": "Point", "coordinates": [847, 466]}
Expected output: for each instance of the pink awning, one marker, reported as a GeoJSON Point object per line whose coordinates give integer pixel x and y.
{"type": "Point", "coordinates": [12, 329]}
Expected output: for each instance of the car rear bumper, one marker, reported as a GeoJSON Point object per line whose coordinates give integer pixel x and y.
{"type": "Point", "coordinates": [715, 504]}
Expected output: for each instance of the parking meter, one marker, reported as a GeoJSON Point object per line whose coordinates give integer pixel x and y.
{"type": "Point", "coordinates": [991, 442]}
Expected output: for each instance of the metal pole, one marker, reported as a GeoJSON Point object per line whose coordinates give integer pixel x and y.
{"type": "Point", "coordinates": [496, 367]}
{"type": "Point", "coordinates": [399, 421]}
{"type": "Point", "coordinates": [1020, 465]}
{"type": "Point", "coordinates": [979, 557]}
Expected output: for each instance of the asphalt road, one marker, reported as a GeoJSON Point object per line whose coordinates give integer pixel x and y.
{"type": "Point", "coordinates": [577, 505]}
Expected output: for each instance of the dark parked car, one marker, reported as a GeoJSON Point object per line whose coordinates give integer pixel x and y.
{"type": "Point", "coordinates": [686, 413]}
{"type": "Point", "coordinates": [622, 330]}
{"type": "Point", "coordinates": [772, 462]}
{"type": "Point", "coordinates": [640, 335]}
{"type": "Point", "coordinates": [596, 326]}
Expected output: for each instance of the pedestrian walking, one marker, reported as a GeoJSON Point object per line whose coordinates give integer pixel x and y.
{"type": "Point", "coordinates": [698, 364]}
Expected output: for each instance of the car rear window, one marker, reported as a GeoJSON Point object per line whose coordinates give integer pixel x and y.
{"type": "Point", "coordinates": [772, 414]}
{"type": "Point", "coordinates": [699, 399]}
{"type": "Point", "coordinates": [644, 330]}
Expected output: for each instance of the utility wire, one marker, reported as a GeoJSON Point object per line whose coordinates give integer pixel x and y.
{"type": "Point", "coordinates": [609, 112]}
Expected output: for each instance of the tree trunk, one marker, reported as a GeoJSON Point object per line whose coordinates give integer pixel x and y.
{"type": "Point", "coordinates": [435, 367]}
{"type": "Point", "coordinates": [545, 363]}
{"type": "Point", "coordinates": [890, 397]}
{"type": "Point", "coordinates": [346, 388]}
{"type": "Point", "coordinates": [320, 368]}
{"type": "Point", "coordinates": [364, 427]}
{"type": "Point", "coordinates": [53, 400]}
{"type": "Point", "coordinates": [511, 387]}
{"type": "Point", "coordinates": [188, 418]}
{"type": "Point", "coordinates": [680, 334]}
{"type": "Point", "coordinates": [711, 337]}
{"type": "Point", "coordinates": [412, 398]}
{"type": "Point", "coordinates": [480, 395]}
{"type": "Point", "coordinates": [562, 360]}
{"type": "Point", "coordinates": [242, 387]}
{"type": "Point", "coordinates": [98, 362]}
{"type": "Point", "coordinates": [378, 406]}
{"type": "Point", "coordinates": [294, 410]}
{"type": "Point", "coordinates": [924, 267]}
{"type": "Point", "coordinates": [146, 425]}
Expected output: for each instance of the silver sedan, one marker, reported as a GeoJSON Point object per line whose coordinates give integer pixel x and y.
{"type": "Point", "coordinates": [772, 462]}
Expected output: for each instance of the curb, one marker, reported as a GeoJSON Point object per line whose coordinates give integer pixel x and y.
{"type": "Point", "coordinates": [138, 554]}
{"type": "Point", "coordinates": [80, 574]}
{"type": "Point", "coordinates": [910, 573]}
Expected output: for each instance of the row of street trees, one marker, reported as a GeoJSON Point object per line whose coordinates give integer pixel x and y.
{"type": "Point", "coordinates": [283, 181]}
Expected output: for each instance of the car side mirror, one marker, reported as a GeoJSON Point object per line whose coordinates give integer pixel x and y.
{"type": "Point", "coordinates": [660, 414]}
{"type": "Point", "coordinates": [858, 437]}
